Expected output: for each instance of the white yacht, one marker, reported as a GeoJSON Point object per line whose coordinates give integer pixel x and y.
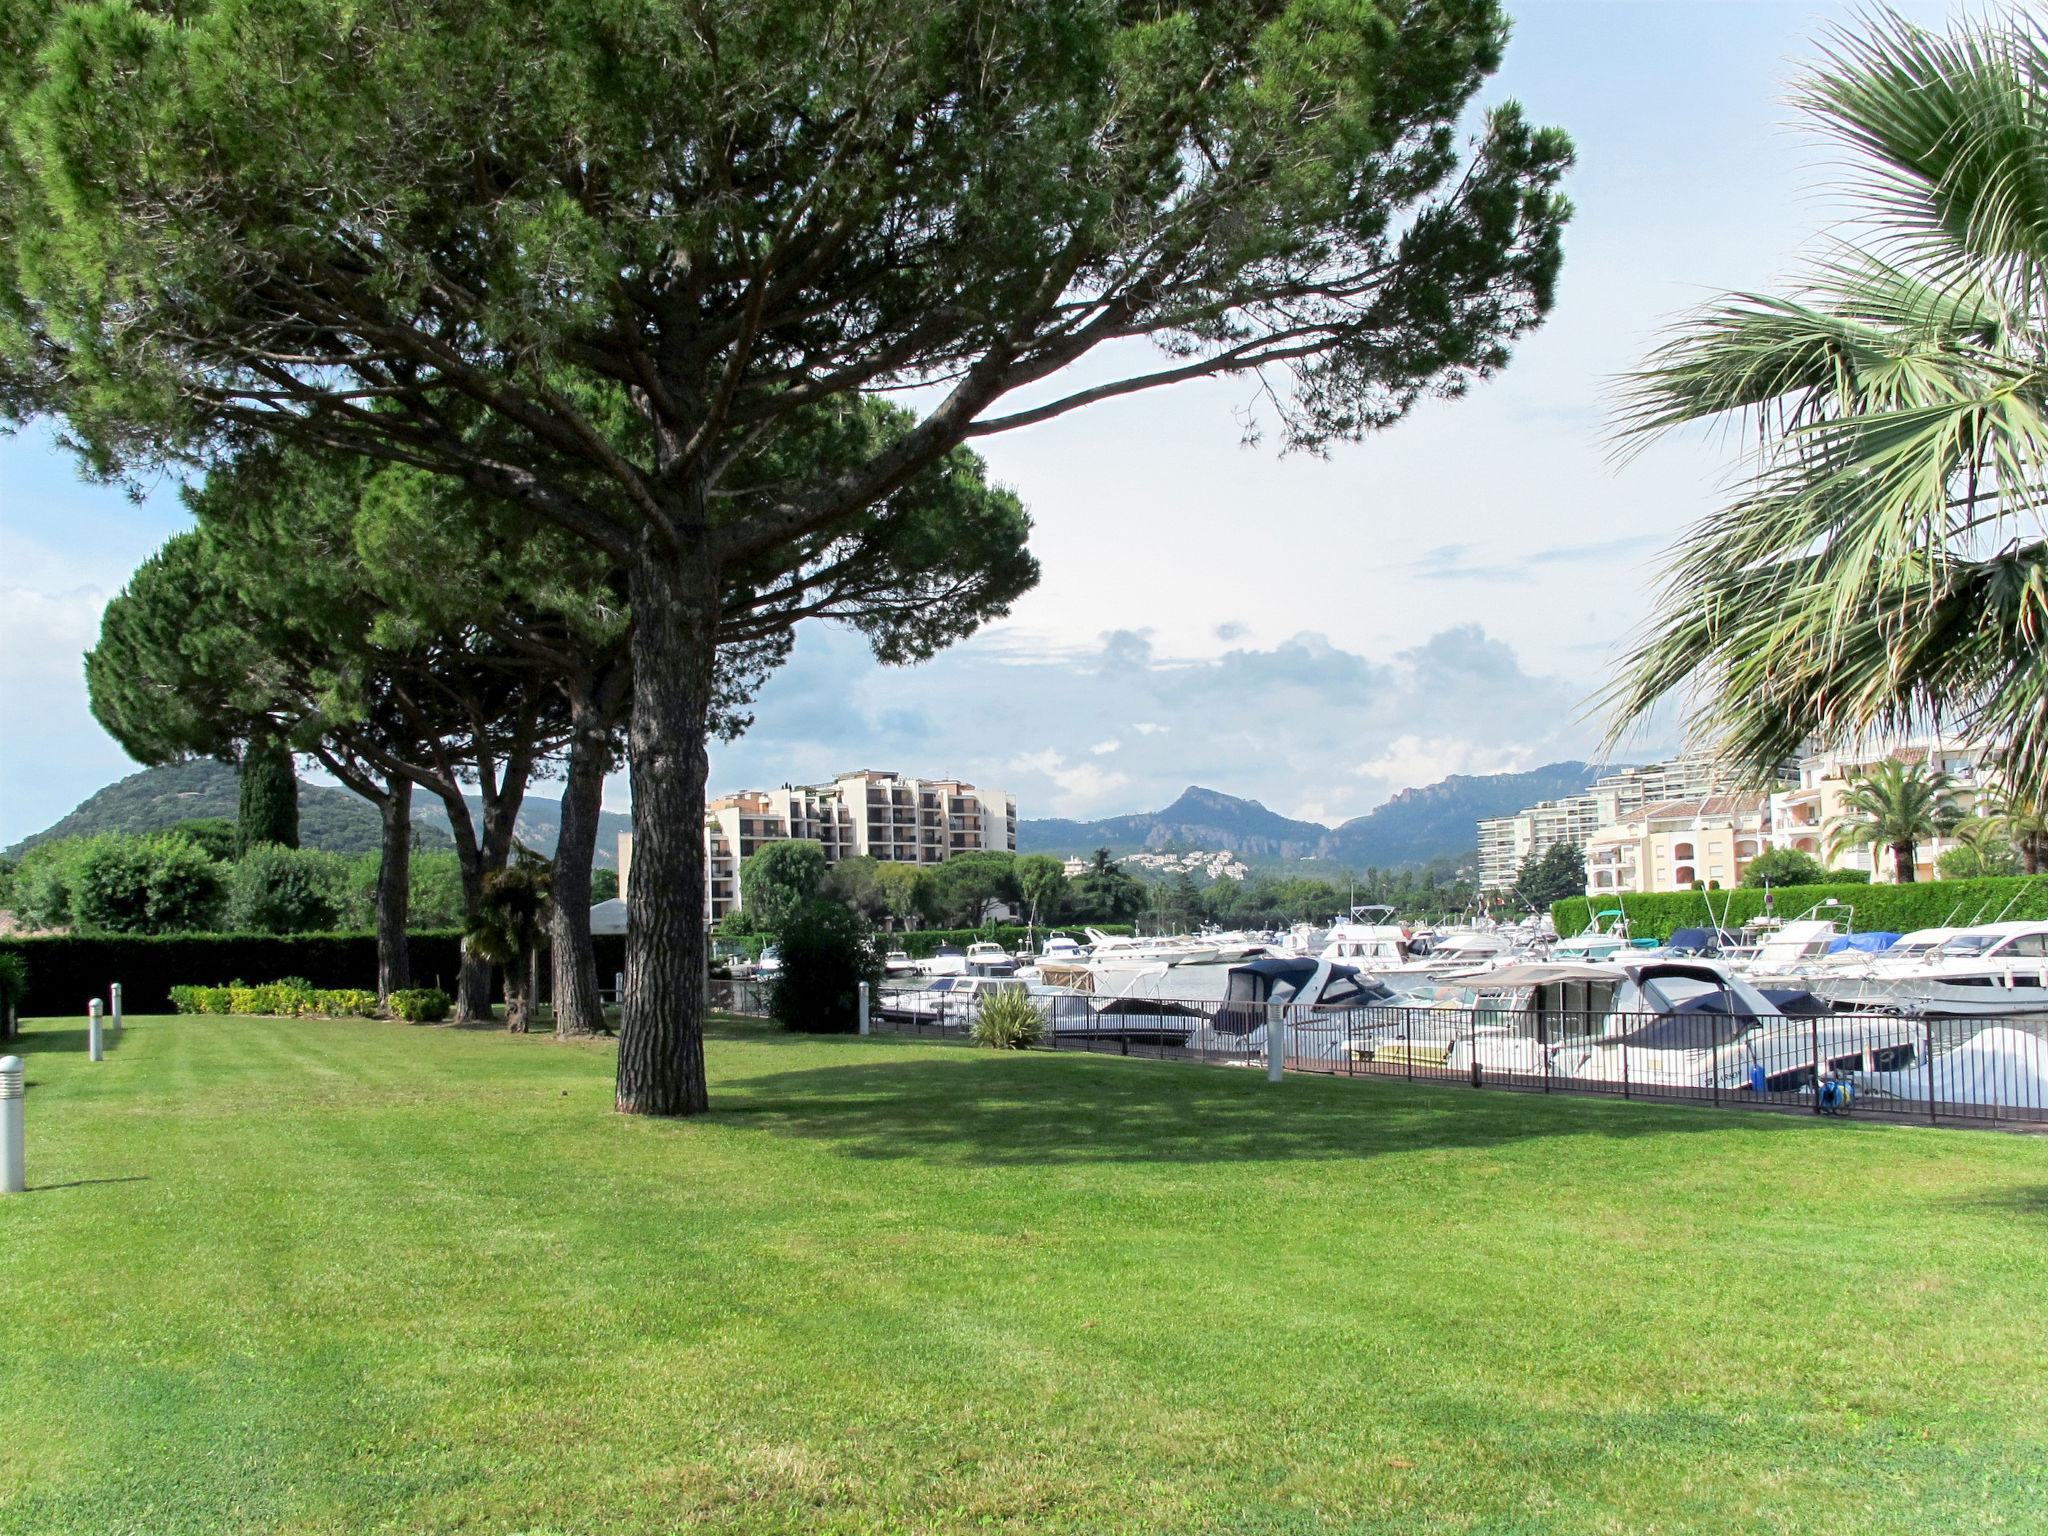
{"type": "Point", "coordinates": [1691, 1024]}
{"type": "Point", "coordinates": [1985, 971]}
{"type": "Point", "coordinates": [1374, 946]}
{"type": "Point", "coordinates": [1177, 948]}
{"type": "Point", "coordinates": [1798, 950]}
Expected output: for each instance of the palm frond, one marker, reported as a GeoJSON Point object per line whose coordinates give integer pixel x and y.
{"type": "Point", "coordinates": [1948, 129]}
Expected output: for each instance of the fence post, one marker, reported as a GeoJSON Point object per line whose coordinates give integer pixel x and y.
{"type": "Point", "coordinates": [116, 994]}
{"type": "Point", "coordinates": [1927, 1031]}
{"type": "Point", "coordinates": [13, 1127]}
{"type": "Point", "coordinates": [619, 988]}
{"type": "Point", "coordinates": [863, 1008]}
{"type": "Point", "coordinates": [1815, 1027]}
{"type": "Point", "coordinates": [1276, 1041]}
{"type": "Point", "coordinates": [92, 1029]}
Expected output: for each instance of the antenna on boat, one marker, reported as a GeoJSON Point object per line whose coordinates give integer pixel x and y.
{"type": "Point", "coordinates": [2016, 895]}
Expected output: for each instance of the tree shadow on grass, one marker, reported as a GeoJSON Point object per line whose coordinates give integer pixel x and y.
{"type": "Point", "coordinates": [1049, 1110]}
{"type": "Point", "coordinates": [36, 1044]}
{"type": "Point", "coordinates": [2030, 1200]}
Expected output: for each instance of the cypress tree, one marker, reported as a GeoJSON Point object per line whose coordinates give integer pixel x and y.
{"type": "Point", "coordinates": [270, 795]}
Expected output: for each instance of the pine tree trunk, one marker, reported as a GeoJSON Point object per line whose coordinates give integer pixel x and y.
{"type": "Point", "coordinates": [394, 889]}
{"type": "Point", "coordinates": [473, 980]}
{"type": "Point", "coordinates": [661, 1036]}
{"type": "Point", "coordinates": [578, 1008]}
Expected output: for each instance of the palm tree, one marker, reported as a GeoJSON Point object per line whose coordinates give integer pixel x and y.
{"type": "Point", "coordinates": [1896, 805]}
{"type": "Point", "coordinates": [510, 928]}
{"type": "Point", "coordinates": [2022, 820]}
{"type": "Point", "coordinates": [1884, 561]}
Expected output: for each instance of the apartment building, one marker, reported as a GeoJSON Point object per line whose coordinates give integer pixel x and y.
{"type": "Point", "coordinates": [1675, 844]}
{"type": "Point", "coordinates": [878, 814]}
{"type": "Point", "coordinates": [1804, 815]}
{"type": "Point", "coordinates": [1612, 800]}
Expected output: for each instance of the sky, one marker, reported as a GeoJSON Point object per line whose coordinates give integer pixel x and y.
{"type": "Point", "coordinates": [1317, 633]}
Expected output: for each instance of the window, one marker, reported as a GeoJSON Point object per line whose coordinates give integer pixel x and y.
{"type": "Point", "coordinates": [1682, 851]}
{"type": "Point", "coordinates": [1684, 874]}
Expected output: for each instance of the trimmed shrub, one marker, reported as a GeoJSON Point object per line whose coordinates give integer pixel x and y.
{"type": "Point", "coordinates": [421, 1005]}
{"type": "Point", "coordinates": [1898, 908]}
{"type": "Point", "coordinates": [826, 954]}
{"type": "Point", "coordinates": [1008, 1021]}
{"type": "Point", "coordinates": [292, 999]}
{"type": "Point", "coordinates": [275, 889]}
{"type": "Point", "coordinates": [66, 969]}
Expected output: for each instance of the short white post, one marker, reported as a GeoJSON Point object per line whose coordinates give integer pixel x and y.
{"type": "Point", "coordinates": [1276, 1041]}
{"type": "Point", "coordinates": [619, 988]}
{"type": "Point", "coordinates": [863, 1008]}
{"type": "Point", "coordinates": [116, 1009]}
{"type": "Point", "coordinates": [92, 1030]}
{"type": "Point", "coordinates": [13, 1128]}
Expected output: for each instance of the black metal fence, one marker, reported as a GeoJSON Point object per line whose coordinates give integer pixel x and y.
{"type": "Point", "coordinates": [1941, 1070]}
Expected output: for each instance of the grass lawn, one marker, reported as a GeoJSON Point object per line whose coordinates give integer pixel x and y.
{"type": "Point", "coordinates": [347, 1277]}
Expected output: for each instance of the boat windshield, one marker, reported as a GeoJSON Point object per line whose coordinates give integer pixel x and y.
{"type": "Point", "coordinates": [1969, 944]}
{"type": "Point", "coordinates": [944, 984]}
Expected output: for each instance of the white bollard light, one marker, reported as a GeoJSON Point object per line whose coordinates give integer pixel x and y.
{"type": "Point", "coordinates": [863, 1007]}
{"type": "Point", "coordinates": [116, 1010]}
{"type": "Point", "coordinates": [619, 988]}
{"type": "Point", "coordinates": [13, 1129]}
{"type": "Point", "coordinates": [92, 1030]}
{"type": "Point", "coordinates": [1276, 1041]}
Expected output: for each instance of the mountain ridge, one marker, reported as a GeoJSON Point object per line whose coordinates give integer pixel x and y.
{"type": "Point", "coordinates": [335, 819]}
{"type": "Point", "coordinates": [1415, 826]}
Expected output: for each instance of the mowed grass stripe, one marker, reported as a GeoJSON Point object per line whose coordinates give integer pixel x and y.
{"type": "Point", "coordinates": [379, 1277]}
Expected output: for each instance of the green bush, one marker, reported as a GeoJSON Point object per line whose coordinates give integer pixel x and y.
{"type": "Point", "coordinates": [433, 898]}
{"type": "Point", "coordinates": [159, 883]}
{"type": "Point", "coordinates": [421, 1005]}
{"type": "Point", "coordinates": [827, 952]}
{"type": "Point", "coordinates": [1898, 908]}
{"type": "Point", "coordinates": [215, 836]}
{"type": "Point", "coordinates": [1783, 866]}
{"type": "Point", "coordinates": [275, 889]}
{"type": "Point", "coordinates": [1008, 1021]}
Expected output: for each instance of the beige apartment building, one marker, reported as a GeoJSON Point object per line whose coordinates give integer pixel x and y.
{"type": "Point", "coordinates": [1673, 845]}
{"type": "Point", "coordinates": [1506, 841]}
{"type": "Point", "coordinates": [1711, 839]}
{"type": "Point", "coordinates": [878, 814]}
{"type": "Point", "coordinates": [1802, 816]}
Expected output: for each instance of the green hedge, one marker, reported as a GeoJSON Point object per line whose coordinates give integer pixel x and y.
{"type": "Point", "coordinates": [66, 971]}
{"type": "Point", "coordinates": [1897, 908]}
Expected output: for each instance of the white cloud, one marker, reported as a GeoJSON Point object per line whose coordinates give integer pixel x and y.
{"type": "Point", "coordinates": [1104, 748]}
{"type": "Point", "coordinates": [1411, 759]}
{"type": "Point", "coordinates": [1149, 728]}
{"type": "Point", "coordinates": [1079, 787]}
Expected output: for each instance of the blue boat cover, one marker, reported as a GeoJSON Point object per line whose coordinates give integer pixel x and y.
{"type": "Point", "coordinates": [1863, 943]}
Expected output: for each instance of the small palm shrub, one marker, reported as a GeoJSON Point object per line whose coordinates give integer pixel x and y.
{"type": "Point", "coordinates": [1008, 1021]}
{"type": "Point", "coordinates": [421, 1005]}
